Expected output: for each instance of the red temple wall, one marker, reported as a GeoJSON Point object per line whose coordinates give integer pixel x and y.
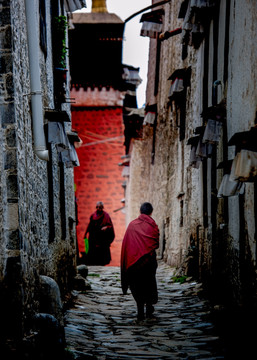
{"type": "Point", "coordinates": [98, 178]}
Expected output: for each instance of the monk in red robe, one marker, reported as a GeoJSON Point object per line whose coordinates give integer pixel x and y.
{"type": "Point", "coordinates": [100, 234]}
{"type": "Point", "coordinates": [138, 261]}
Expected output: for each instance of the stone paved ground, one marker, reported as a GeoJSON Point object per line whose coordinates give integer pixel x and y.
{"type": "Point", "coordinates": [102, 322]}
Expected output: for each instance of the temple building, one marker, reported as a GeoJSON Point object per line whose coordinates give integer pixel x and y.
{"type": "Point", "coordinates": [97, 116]}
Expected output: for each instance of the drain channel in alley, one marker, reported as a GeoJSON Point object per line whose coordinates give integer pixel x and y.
{"type": "Point", "coordinates": [102, 324]}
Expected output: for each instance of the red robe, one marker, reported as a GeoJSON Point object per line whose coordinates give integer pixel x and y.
{"type": "Point", "coordinates": [99, 240]}
{"type": "Point", "coordinates": [141, 238]}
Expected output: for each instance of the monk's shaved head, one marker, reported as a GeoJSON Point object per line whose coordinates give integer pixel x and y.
{"type": "Point", "coordinates": [146, 208]}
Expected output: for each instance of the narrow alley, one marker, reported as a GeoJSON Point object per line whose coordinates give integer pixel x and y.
{"type": "Point", "coordinates": [102, 323]}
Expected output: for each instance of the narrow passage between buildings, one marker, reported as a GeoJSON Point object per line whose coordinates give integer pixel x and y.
{"type": "Point", "coordinates": [102, 322]}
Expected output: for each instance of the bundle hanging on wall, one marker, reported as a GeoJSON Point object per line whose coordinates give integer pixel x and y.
{"type": "Point", "coordinates": [152, 23]}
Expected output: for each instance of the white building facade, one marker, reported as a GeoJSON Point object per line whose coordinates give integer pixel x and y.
{"type": "Point", "coordinates": [196, 163]}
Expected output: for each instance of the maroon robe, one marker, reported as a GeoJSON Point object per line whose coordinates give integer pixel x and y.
{"type": "Point", "coordinates": [99, 240]}
{"type": "Point", "coordinates": [138, 259]}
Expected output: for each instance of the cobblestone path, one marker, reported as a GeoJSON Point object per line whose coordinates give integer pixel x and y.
{"type": "Point", "coordinates": [102, 323]}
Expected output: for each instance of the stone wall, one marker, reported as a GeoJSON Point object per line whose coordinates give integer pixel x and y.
{"type": "Point", "coordinates": [220, 233]}
{"type": "Point", "coordinates": [241, 96]}
{"type": "Point", "coordinates": [35, 239]}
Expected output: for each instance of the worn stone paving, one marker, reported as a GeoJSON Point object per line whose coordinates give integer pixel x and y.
{"type": "Point", "coordinates": [102, 323]}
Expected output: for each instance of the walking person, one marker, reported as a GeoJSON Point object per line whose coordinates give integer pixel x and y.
{"type": "Point", "coordinates": [100, 235]}
{"type": "Point", "coordinates": [138, 261]}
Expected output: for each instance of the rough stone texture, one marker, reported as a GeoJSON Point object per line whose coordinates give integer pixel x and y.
{"type": "Point", "coordinates": [184, 197]}
{"type": "Point", "coordinates": [50, 298]}
{"type": "Point", "coordinates": [102, 322]}
{"type": "Point", "coordinates": [26, 251]}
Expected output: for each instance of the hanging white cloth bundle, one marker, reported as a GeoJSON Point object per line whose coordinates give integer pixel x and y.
{"type": "Point", "coordinates": [204, 150]}
{"type": "Point", "coordinates": [151, 29]}
{"type": "Point", "coordinates": [177, 86]}
{"type": "Point", "coordinates": [194, 160]}
{"type": "Point", "coordinates": [212, 131]}
{"type": "Point", "coordinates": [131, 76]}
{"type": "Point", "coordinates": [202, 3]}
{"type": "Point", "coordinates": [70, 157]}
{"type": "Point", "coordinates": [230, 188]}
{"type": "Point", "coordinates": [57, 135]}
{"type": "Point", "coordinates": [149, 118]}
{"type": "Point", "coordinates": [244, 166]}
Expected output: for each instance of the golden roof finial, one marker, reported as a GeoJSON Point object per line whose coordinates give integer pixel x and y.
{"type": "Point", "coordinates": [99, 6]}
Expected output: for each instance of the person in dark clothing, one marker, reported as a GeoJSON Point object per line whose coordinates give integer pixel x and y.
{"type": "Point", "coordinates": [100, 234]}
{"type": "Point", "coordinates": [138, 261]}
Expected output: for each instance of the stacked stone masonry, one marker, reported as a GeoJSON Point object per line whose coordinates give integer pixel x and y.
{"type": "Point", "coordinates": [27, 249]}
{"type": "Point", "coordinates": [217, 234]}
